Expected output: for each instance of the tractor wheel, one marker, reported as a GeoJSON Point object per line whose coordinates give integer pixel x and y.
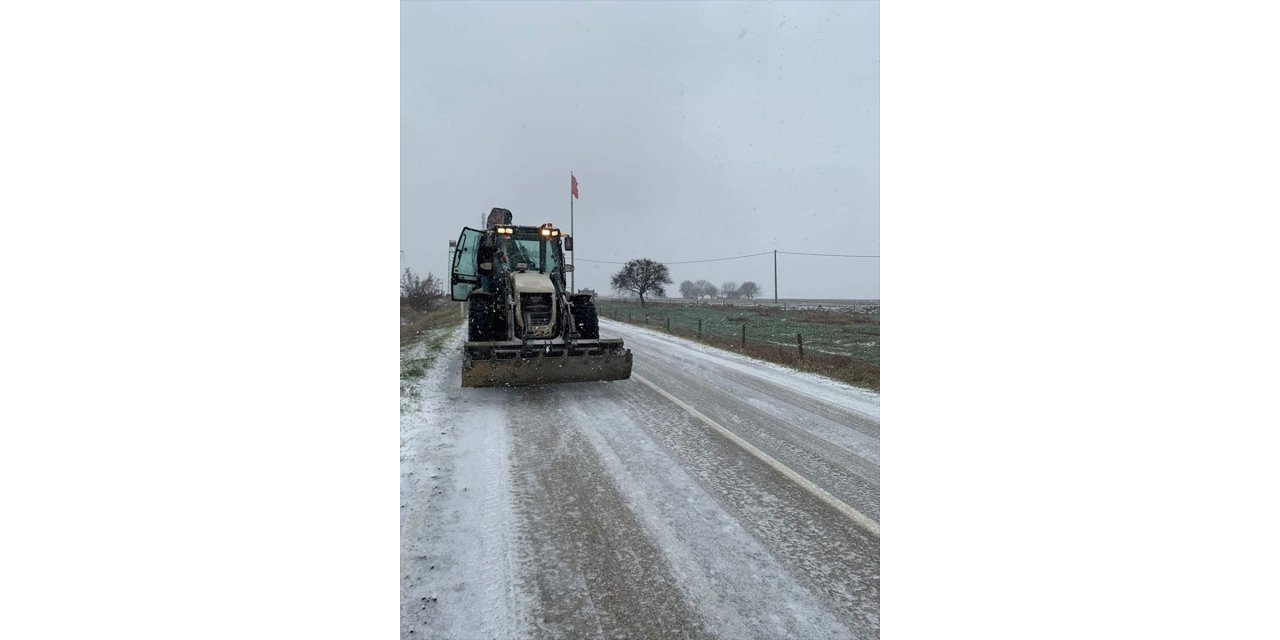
{"type": "Point", "coordinates": [584, 316]}
{"type": "Point", "coordinates": [498, 322]}
{"type": "Point", "coordinates": [480, 319]}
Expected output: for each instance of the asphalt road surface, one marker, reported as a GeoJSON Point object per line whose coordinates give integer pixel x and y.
{"type": "Point", "coordinates": [709, 496]}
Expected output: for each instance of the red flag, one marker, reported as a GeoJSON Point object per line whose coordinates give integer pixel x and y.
{"type": "Point", "coordinates": [573, 185]}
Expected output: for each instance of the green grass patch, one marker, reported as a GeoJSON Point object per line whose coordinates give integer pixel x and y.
{"type": "Point", "coordinates": [422, 338]}
{"type": "Point", "coordinates": [838, 343]}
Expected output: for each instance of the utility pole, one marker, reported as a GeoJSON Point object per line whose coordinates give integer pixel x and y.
{"type": "Point", "coordinates": [775, 276]}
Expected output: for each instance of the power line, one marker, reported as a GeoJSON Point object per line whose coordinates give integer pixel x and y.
{"type": "Point", "coordinates": [685, 261]}
{"type": "Point", "coordinates": [832, 255]}
{"type": "Point", "coordinates": [749, 255]}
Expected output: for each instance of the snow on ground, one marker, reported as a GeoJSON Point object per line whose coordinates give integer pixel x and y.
{"type": "Point", "coordinates": [818, 387]}
{"type": "Point", "coordinates": [456, 512]}
{"type": "Point", "coordinates": [603, 510]}
{"type": "Point", "coordinates": [735, 583]}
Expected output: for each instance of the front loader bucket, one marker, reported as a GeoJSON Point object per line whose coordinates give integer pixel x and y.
{"type": "Point", "coordinates": [514, 364]}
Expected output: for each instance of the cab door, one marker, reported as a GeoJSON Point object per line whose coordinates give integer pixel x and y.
{"type": "Point", "coordinates": [465, 275]}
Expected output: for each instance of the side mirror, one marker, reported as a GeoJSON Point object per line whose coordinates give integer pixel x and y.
{"type": "Point", "coordinates": [568, 268]}
{"type": "Point", "coordinates": [486, 266]}
{"type": "Point", "coordinates": [568, 243]}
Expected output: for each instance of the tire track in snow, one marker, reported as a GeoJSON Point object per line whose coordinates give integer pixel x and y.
{"type": "Point", "coordinates": [835, 562]}
{"type": "Point", "coordinates": [858, 518]}
{"type": "Point", "coordinates": [825, 439]}
{"type": "Point", "coordinates": [603, 510]}
{"type": "Point", "coordinates": [738, 586]}
{"type": "Point", "coordinates": [588, 564]}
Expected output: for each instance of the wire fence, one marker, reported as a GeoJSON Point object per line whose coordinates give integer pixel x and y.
{"type": "Point", "coordinates": [809, 331]}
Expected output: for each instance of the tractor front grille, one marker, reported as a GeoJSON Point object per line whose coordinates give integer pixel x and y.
{"type": "Point", "coordinates": [536, 307]}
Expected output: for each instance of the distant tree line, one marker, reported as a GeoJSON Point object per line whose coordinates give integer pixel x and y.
{"type": "Point", "coordinates": [647, 277]}
{"type": "Point", "coordinates": [729, 290]}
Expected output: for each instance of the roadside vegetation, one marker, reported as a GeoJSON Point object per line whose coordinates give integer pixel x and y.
{"type": "Point", "coordinates": [838, 343]}
{"type": "Point", "coordinates": [427, 319]}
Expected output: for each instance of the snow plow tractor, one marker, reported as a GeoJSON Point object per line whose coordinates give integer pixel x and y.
{"type": "Point", "coordinates": [524, 326]}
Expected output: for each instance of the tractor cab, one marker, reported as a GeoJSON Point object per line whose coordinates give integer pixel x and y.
{"type": "Point", "coordinates": [483, 259]}
{"type": "Point", "coordinates": [536, 249]}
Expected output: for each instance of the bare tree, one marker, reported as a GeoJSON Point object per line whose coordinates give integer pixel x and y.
{"type": "Point", "coordinates": [688, 290]}
{"type": "Point", "coordinates": [640, 277]}
{"type": "Point", "coordinates": [418, 293]}
{"type": "Point", "coordinates": [749, 290]}
{"type": "Point", "coordinates": [704, 288]}
{"type": "Point", "coordinates": [729, 290]}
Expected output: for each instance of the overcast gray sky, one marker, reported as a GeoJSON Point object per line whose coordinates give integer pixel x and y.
{"type": "Point", "coordinates": [696, 130]}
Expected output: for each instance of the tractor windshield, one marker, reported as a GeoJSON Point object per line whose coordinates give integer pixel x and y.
{"type": "Point", "coordinates": [539, 255]}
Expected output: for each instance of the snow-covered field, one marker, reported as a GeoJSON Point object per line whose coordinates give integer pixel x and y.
{"type": "Point", "coordinates": [607, 510]}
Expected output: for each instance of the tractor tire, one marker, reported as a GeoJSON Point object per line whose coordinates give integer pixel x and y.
{"type": "Point", "coordinates": [584, 316]}
{"type": "Point", "coordinates": [480, 317]}
{"type": "Point", "coordinates": [498, 322]}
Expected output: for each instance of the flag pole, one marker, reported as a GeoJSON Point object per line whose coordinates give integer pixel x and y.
{"type": "Point", "coordinates": [573, 281]}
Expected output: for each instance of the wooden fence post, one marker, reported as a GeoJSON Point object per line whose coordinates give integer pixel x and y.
{"type": "Point", "coordinates": [668, 324]}
{"type": "Point", "coordinates": [699, 327]}
{"type": "Point", "coordinates": [744, 335]}
{"type": "Point", "coordinates": [800, 339]}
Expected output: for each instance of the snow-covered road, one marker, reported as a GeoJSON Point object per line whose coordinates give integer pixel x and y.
{"type": "Point", "coordinates": [603, 510]}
